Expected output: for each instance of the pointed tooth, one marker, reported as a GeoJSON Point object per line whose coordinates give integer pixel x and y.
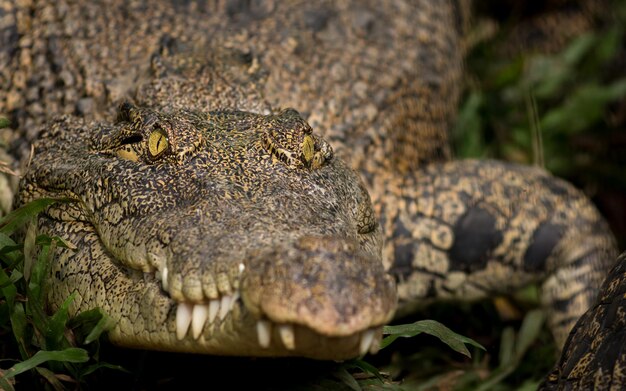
{"type": "Point", "coordinates": [264, 332]}
{"type": "Point", "coordinates": [164, 273]}
{"type": "Point", "coordinates": [287, 336]}
{"type": "Point", "coordinates": [375, 347]}
{"type": "Point", "coordinates": [214, 307]}
{"type": "Point", "coordinates": [198, 318]}
{"type": "Point", "coordinates": [183, 319]}
{"type": "Point", "coordinates": [366, 341]}
{"type": "Point", "coordinates": [160, 262]}
{"type": "Point", "coordinates": [241, 268]}
{"type": "Point", "coordinates": [233, 300]}
{"type": "Point", "coordinates": [224, 306]}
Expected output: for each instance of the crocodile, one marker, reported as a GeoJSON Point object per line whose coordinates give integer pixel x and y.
{"type": "Point", "coordinates": [210, 217]}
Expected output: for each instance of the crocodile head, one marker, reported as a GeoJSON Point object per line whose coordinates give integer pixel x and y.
{"type": "Point", "coordinates": [221, 232]}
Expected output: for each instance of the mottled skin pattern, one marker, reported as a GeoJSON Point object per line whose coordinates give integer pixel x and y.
{"type": "Point", "coordinates": [594, 356]}
{"type": "Point", "coordinates": [216, 212]}
{"type": "Point", "coordinates": [378, 82]}
{"type": "Point", "coordinates": [472, 229]}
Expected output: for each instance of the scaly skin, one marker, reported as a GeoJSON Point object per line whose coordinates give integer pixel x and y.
{"type": "Point", "coordinates": [594, 357]}
{"type": "Point", "coordinates": [235, 206]}
{"type": "Point", "coordinates": [471, 229]}
{"type": "Point", "coordinates": [378, 83]}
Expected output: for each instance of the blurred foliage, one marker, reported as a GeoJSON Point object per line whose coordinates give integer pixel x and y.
{"type": "Point", "coordinates": [565, 111]}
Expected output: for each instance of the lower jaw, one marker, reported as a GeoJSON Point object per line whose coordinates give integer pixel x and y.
{"type": "Point", "coordinates": [239, 333]}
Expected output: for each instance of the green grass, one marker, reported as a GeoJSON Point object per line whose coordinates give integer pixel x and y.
{"type": "Point", "coordinates": [57, 351]}
{"type": "Point", "coordinates": [53, 348]}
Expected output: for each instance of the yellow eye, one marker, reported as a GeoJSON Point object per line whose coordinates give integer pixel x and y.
{"type": "Point", "coordinates": [308, 148]}
{"type": "Point", "coordinates": [157, 142]}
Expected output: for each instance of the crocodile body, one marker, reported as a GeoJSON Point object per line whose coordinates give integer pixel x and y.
{"type": "Point", "coordinates": [204, 202]}
{"type": "Point", "coordinates": [594, 356]}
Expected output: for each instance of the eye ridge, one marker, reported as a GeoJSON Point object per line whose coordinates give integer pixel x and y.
{"type": "Point", "coordinates": [134, 139]}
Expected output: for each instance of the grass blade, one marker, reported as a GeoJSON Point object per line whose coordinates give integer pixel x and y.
{"type": "Point", "coordinates": [66, 355]}
{"type": "Point", "coordinates": [20, 216]}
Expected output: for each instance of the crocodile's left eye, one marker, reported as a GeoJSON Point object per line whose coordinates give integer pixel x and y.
{"type": "Point", "coordinates": [157, 143]}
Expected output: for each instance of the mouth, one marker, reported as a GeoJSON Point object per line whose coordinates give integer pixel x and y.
{"type": "Point", "coordinates": [196, 321]}
{"type": "Point", "coordinates": [278, 304]}
{"type": "Point", "coordinates": [199, 320]}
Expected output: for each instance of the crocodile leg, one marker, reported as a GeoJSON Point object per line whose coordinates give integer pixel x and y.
{"type": "Point", "coordinates": [468, 230]}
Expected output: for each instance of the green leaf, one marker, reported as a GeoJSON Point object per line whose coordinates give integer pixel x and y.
{"type": "Point", "coordinates": [468, 130]}
{"type": "Point", "coordinates": [93, 322]}
{"type": "Point", "coordinates": [39, 272]}
{"type": "Point", "coordinates": [19, 325]}
{"type": "Point", "coordinates": [455, 341]}
{"type": "Point", "coordinates": [4, 122]}
{"type": "Point", "coordinates": [365, 367]}
{"type": "Point", "coordinates": [94, 367]}
{"type": "Point", "coordinates": [8, 247]}
{"type": "Point", "coordinates": [21, 215]}
{"type": "Point", "coordinates": [507, 347]}
{"type": "Point", "coordinates": [9, 291]}
{"type": "Point", "coordinates": [56, 325]}
{"type": "Point", "coordinates": [29, 247]}
{"type": "Point", "coordinates": [578, 48]}
{"type": "Point", "coordinates": [529, 331]}
{"type": "Point", "coordinates": [584, 107]}
{"type": "Point", "coordinates": [66, 355]}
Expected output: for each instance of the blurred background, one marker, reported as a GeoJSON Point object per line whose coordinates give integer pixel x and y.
{"type": "Point", "coordinates": [546, 85]}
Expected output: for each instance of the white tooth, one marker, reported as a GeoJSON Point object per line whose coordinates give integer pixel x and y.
{"type": "Point", "coordinates": [183, 319]}
{"type": "Point", "coordinates": [242, 267]}
{"type": "Point", "coordinates": [264, 332]}
{"type": "Point", "coordinates": [224, 306]}
{"type": "Point", "coordinates": [160, 262]}
{"type": "Point", "coordinates": [233, 300]}
{"type": "Point", "coordinates": [375, 344]}
{"type": "Point", "coordinates": [164, 278]}
{"type": "Point", "coordinates": [287, 335]}
{"type": "Point", "coordinates": [214, 307]}
{"type": "Point", "coordinates": [198, 318]}
{"type": "Point", "coordinates": [366, 341]}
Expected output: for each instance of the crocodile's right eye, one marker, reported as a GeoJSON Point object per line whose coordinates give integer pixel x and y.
{"type": "Point", "coordinates": [157, 143]}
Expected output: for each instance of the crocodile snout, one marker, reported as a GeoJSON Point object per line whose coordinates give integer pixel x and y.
{"type": "Point", "coordinates": [321, 283]}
